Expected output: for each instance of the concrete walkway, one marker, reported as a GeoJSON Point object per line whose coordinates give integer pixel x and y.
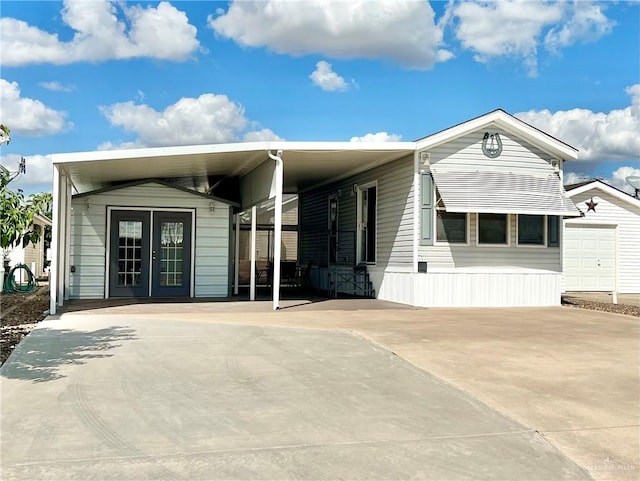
{"type": "Point", "coordinates": [187, 391]}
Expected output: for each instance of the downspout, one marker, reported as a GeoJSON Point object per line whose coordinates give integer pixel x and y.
{"type": "Point", "coordinates": [277, 238]}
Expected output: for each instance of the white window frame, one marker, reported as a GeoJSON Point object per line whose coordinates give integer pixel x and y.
{"type": "Point", "coordinates": [480, 244]}
{"type": "Point", "coordinates": [545, 239]}
{"type": "Point", "coordinates": [446, 242]}
{"type": "Point", "coordinates": [359, 253]}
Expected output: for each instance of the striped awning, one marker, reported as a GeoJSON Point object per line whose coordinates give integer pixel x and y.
{"type": "Point", "coordinates": [502, 193]}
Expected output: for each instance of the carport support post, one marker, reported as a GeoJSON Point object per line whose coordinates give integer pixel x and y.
{"type": "Point", "coordinates": [58, 226]}
{"type": "Point", "coordinates": [277, 228]}
{"type": "Point", "coordinates": [67, 241]}
{"type": "Point", "coordinates": [252, 281]}
{"type": "Point", "coordinates": [236, 262]}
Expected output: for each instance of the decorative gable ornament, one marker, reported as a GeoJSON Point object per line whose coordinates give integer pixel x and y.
{"type": "Point", "coordinates": [591, 205]}
{"type": "Point", "coordinates": [491, 145]}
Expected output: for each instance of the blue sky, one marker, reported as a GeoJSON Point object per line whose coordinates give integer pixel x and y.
{"type": "Point", "coordinates": [83, 75]}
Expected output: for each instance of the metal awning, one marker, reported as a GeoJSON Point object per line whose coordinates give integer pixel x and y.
{"type": "Point", "coordinates": [502, 192]}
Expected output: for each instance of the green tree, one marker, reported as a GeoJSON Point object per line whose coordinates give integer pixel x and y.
{"type": "Point", "coordinates": [16, 215]}
{"type": "Point", "coordinates": [16, 212]}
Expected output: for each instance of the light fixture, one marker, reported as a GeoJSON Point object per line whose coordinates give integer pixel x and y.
{"type": "Point", "coordinates": [556, 165]}
{"type": "Point", "coordinates": [212, 207]}
{"type": "Point", "coordinates": [354, 189]}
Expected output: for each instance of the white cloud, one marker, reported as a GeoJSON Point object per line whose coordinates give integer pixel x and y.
{"type": "Point", "coordinates": [619, 175]}
{"type": "Point", "coordinates": [263, 135]}
{"type": "Point", "coordinates": [38, 176]}
{"type": "Point", "coordinates": [599, 136]}
{"type": "Point", "coordinates": [587, 24]}
{"type": "Point", "coordinates": [101, 32]}
{"type": "Point", "coordinates": [514, 28]}
{"type": "Point", "coordinates": [377, 137]}
{"type": "Point", "coordinates": [26, 116]}
{"type": "Point", "coordinates": [574, 177]}
{"type": "Point", "coordinates": [207, 119]}
{"type": "Point", "coordinates": [399, 30]}
{"type": "Point", "coordinates": [57, 87]}
{"type": "Point", "coordinates": [325, 78]}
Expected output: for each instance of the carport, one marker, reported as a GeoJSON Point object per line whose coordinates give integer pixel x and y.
{"type": "Point", "coordinates": [262, 171]}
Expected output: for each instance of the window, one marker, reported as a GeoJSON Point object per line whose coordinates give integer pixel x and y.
{"type": "Point", "coordinates": [553, 231]}
{"type": "Point", "coordinates": [451, 227]}
{"type": "Point", "coordinates": [333, 229]}
{"type": "Point", "coordinates": [493, 229]}
{"type": "Point", "coordinates": [531, 230]}
{"type": "Point", "coordinates": [367, 199]}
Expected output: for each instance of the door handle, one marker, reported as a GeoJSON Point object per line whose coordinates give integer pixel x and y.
{"type": "Point", "coordinates": [153, 255]}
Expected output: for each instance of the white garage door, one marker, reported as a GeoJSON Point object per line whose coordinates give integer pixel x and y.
{"type": "Point", "coordinates": [589, 258]}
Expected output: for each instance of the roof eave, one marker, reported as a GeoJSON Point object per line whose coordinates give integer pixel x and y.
{"type": "Point", "coordinates": [596, 184]}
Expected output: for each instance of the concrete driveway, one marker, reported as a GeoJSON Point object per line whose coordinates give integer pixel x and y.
{"type": "Point", "coordinates": [212, 392]}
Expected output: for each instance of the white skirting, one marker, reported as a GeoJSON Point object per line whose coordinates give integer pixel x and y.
{"type": "Point", "coordinates": [468, 289]}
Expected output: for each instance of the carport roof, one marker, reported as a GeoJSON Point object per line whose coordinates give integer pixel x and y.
{"type": "Point", "coordinates": [306, 164]}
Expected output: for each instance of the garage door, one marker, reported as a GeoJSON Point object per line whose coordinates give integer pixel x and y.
{"type": "Point", "coordinates": [589, 258]}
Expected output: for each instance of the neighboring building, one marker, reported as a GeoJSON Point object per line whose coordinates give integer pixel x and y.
{"type": "Point", "coordinates": [469, 216]}
{"type": "Point", "coordinates": [33, 255]}
{"type": "Point", "coordinates": [601, 248]}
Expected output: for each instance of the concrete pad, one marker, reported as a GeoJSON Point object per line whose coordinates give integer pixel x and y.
{"type": "Point", "coordinates": [118, 397]}
{"type": "Point", "coordinates": [571, 374]}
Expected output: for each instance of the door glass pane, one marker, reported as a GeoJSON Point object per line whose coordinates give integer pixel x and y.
{"type": "Point", "coordinates": [129, 252]}
{"type": "Point", "coordinates": [172, 246]}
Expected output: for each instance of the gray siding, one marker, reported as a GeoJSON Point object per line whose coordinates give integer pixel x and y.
{"type": "Point", "coordinates": [394, 242]}
{"type": "Point", "coordinates": [518, 156]}
{"type": "Point", "coordinates": [88, 237]}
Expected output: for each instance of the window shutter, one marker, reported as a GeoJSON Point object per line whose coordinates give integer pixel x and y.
{"type": "Point", "coordinates": [426, 209]}
{"type": "Point", "coordinates": [553, 231]}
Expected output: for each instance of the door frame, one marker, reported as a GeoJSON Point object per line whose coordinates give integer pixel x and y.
{"type": "Point", "coordinates": [151, 211]}
{"type": "Point", "coordinates": [359, 254]}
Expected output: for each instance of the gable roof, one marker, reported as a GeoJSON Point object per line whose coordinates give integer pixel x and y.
{"type": "Point", "coordinates": [580, 187]}
{"type": "Point", "coordinates": [509, 123]}
{"type": "Point", "coordinates": [155, 181]}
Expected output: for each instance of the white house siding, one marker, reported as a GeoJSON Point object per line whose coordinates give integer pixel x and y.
{"type": "Point", "coordinates": [88, 237]}
{"type": "Point", "coordinates": [394, 229]}
{"type": "Point", "coordinates": [611, 211]}
{"type": "Point", "coordinates": [518, 156]}
{"type": "Point", "coordinates": [472, 275]}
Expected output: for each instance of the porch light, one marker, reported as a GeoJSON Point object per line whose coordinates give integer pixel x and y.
{"type": "Point", "coordinates": [212, 208]}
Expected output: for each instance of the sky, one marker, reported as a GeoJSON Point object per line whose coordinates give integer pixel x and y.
{"type": "Point", "coordinates": [84, 75]}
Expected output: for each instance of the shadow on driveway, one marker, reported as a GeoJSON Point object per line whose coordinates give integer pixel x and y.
{"type": "Point", "coordinates": [41, 355]}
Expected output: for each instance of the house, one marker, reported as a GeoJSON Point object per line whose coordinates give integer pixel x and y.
{"type": "Point", "coordinates": [601, 246]}
{"type": "Point", "coordinates": [469, 216]}
{"type": "Point", "coordinates": [33, 255]}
